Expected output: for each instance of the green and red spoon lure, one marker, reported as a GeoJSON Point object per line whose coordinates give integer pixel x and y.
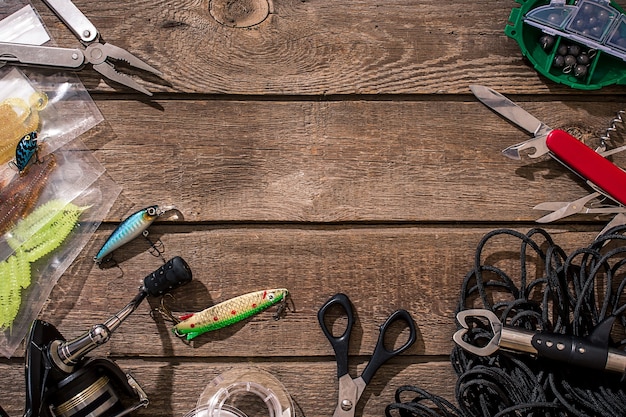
{"type": "Point", "coordinates": [229, 312]}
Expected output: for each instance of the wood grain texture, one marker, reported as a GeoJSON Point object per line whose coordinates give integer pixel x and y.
{"type": "Point", "coordinates": [418, 268]}
{"type": "Point", "coordinates": [313, 264]}
{"type": "Point", "coordinates": [319, 47]}
{"type": "Point", "coordinates": [332, 147]}
{"type": "Point", "coordinates": [339, 161]}
{"type": "Point", "coordinates": [312, 395]}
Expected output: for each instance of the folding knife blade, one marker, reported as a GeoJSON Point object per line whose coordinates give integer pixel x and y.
{"type": "Point", "coordinates": [75, 20]}
{"type": "Point", "coordinates": [509, 110]}
{"type": "Point", "coordinates": [514, 113]}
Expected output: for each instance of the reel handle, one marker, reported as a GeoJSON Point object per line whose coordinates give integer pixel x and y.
{"type": "Point", "coordinates": [172, 275]}
{"type": "Point", "coordinates": [67, 354]}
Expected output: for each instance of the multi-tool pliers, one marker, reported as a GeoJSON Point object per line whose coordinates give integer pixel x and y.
{"type": "Point", "coordinates": [99, 54]}
{"type": "Point", "coordinates": [606, 179]}
{"type": "Point", "coordinates": [590, 352]}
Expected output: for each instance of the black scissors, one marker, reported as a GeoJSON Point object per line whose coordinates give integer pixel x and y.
{"type": "Point", "coordinates": [350, 390]}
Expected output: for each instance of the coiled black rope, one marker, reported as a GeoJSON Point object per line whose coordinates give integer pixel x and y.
{"type": "Point", "coordinates": [550, 291]}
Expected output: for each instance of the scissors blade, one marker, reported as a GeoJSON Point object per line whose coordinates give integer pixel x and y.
{"type": "Point", "coordinates": [350, 390]}
{"type": "Point", "coordinates": [551, 205]}
{"type": "Point", "coordinates": [565, 210]}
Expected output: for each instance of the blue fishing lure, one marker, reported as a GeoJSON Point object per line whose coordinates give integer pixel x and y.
{"type": "Point", "coordinates": [26, 148]}
{"type": "Point", "coordinates": [133, 226]}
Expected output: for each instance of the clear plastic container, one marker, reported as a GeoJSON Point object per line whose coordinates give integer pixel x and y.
{"type": "Point", "coordinates": [242, 392]}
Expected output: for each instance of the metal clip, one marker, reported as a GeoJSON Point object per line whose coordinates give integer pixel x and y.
{"type": "Point", "coordinates": [496, 326]}
{"type": "Point", "coordinates": [282, 307]}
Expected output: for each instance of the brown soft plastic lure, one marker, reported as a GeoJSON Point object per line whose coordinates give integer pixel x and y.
{"type": "Point", "coordinates": [19, 197]}
{"type": "Point", "coordinates": [17, 119]}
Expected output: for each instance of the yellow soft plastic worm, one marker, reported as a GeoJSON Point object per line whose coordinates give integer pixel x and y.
{"type": "Point", "coordinates": [36, 236]}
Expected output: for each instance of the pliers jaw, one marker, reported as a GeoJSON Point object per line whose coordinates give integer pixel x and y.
{"type": "Point", "coordinates": [101, 55]}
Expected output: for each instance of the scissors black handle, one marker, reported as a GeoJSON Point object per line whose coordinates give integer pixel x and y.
{"type": "Point", "coordinates": [339, 343]}
{"type": "Point", "coordinates": [381, 353]}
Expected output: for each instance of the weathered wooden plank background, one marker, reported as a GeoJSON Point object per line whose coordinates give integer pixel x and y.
{"type": "Point", "coordinates": [335, 146]}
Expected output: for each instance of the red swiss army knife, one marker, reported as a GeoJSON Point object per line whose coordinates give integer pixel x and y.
{"type": "Point", "coordinates": [606, 178]}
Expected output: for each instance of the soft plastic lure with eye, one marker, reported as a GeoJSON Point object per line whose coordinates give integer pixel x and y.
{"type": "Point", "coordinates": [18, 118]}
{"type": "Point", "coordinates": [133, 226]}
{"type": "Point", "coordinates": [229, 312]}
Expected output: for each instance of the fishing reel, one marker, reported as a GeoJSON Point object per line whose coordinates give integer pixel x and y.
{"type": "Point", "coordinates": [62, 382]}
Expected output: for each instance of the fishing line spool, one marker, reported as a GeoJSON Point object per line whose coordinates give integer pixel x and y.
{"type": "Point", "coordinates": [240, 392]}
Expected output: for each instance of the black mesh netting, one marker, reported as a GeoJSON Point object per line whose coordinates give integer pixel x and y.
{"type": "Point", "coordinates": [546, 290]}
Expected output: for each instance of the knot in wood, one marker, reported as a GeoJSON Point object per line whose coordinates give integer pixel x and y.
{"type": "Point", "coordinates": [239, 13]}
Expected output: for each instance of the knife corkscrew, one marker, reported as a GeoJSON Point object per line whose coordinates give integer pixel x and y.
{"type": "Point", "coordinates": [606, 138]}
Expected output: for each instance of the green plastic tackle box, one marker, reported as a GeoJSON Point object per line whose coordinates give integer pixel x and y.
{"type": "Point", "coordinates": [580, 44]}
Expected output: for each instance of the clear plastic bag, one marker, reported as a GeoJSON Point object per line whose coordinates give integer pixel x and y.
{"type": "Point", "coordinates": [62, 175]}
{"type": "Point", "coordinates": [55, 106]}
{"type": "Point", "coordinates": [21, 24]}
{"type": "Point", "coordinates": [50, 207]}
{"type": "Point", "coordinates": [47, 240]}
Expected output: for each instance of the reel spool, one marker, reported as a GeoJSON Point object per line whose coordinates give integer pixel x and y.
{"type": "Point", "coordinates": [96, 389]}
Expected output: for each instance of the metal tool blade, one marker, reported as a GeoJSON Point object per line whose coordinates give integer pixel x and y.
{"type": "Point", "coordinates": [538, 143]}
{"type": "Point", "coordinates": [74, 19]}
{"type": "Point", "coordinates": [115, 52]}
{"type": "Point", "coordinates": [612, 151]}
{"type": "Point", "coordinates": [109, 72]}
{"type": "Point", "coordinates": [551, 205]}
{"type": "Point", "coordinates": [44, 56]}
{"type": "Point", "coordinates": [506, 108]}
{"type": "Point", "coordinates": [514, 113]}
{"type": "Point", "coordinates": [568, 209]}
{"type": "Point", "coordinates": [349, 393]}
{"type": "Point", "coordinates": [618, 220]}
